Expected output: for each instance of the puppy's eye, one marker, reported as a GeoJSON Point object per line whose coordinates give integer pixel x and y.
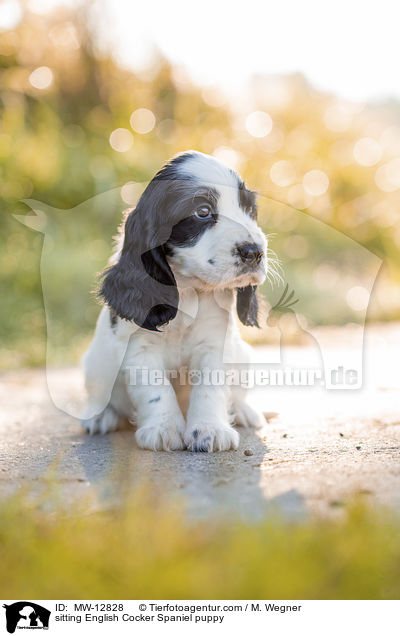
{"type": "Point", "coordinates": [203, 211]}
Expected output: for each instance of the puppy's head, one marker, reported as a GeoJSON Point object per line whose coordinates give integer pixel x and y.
{"type": "Point", "coordinates": [194, 225]}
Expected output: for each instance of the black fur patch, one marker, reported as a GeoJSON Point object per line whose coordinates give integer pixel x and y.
{"type": "Point", "coordinates": [113, 318]}
{"type": "Point", "coordinates": [189, 230]}
{"type": "Point", "coordinates": [247, 200]}
{"type": "Point", "coordinates": [247, 305]}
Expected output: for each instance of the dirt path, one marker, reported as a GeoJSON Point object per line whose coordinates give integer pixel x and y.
{"type": "Point", "coordinates": [318, 452]}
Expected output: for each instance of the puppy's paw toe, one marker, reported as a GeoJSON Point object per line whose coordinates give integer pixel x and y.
{"type": "Point", "coordinates": [106, 422]}
{"type": "Point", "coordinates": [157, 438]}
{"type": "Point", "coordinates": [208, 438]}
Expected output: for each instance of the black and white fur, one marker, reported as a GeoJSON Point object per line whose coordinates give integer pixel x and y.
{"type": "Point", "coordinates": [189, 254]}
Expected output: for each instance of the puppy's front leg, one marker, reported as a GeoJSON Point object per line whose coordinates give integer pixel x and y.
{"type": "Point", "coordinates": [208, 428]}
{"type": "Point", "coordinates": [159, 419]}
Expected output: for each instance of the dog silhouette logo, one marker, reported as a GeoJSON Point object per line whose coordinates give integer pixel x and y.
{"type": "Point", "coordinates": [26, 615]}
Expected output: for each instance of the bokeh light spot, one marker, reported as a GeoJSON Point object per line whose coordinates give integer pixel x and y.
{"type": "Point", "coordinates": [387, 177]}
{"type": "Point", "coordinates": [258, 124]}
{"type": "Point", "coordinates": [143, 121]}
{"type": "Point", "coordinates": [121, 140]}
{"type": "Point", "coordinates": [282, 173]}
{"type": "Point", "coordinates": [130, 192]}
{"type": "Point", "coordinates": [367, 151]}
{"type": "Point", "coordinates": [228, 156]}
{"type": "Point", "coordinates": [358, 298]}
{"type": "Point", "coordinates": [41, 77]}
{"type": "Point", "coordinates": [316, 182]}
{"type": "Point", "coordinates": [390, 139]}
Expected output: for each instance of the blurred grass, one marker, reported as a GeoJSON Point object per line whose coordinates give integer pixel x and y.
{"type": "Point", "coordinates": [146, 549]}
{"type": "Point", "coordinates": [55, 147]}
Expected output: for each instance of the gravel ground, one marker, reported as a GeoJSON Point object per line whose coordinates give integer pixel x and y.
{"type": "Point", "coordinates": [316, 450]}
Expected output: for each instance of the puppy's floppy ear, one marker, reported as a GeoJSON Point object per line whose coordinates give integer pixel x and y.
{"type": "Point", "coordinates": [247, 305]}
{"type": "Point", "coordinates": [141, 286]}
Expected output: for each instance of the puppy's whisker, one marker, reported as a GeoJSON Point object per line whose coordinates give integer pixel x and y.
{"type": "Point", "coordinates": [274, 271]}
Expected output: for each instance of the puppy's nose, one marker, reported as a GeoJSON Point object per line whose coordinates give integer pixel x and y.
{"type": "Point", "coordinates": [250, 253]}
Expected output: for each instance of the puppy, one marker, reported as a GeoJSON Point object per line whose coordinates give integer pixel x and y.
{"type": "Point", "coordinates": [189, 255]}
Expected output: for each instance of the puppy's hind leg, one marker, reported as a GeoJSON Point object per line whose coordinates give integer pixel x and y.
{"type": "Point", "coordinates": [102, 363]}
{"type": "Point", "coordinates": [244, 415]}
{"type": "Point", "coordinates": [105, 422]}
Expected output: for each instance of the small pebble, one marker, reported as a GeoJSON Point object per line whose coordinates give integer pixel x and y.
{"type": "Point", "coordinates": [248, 452]}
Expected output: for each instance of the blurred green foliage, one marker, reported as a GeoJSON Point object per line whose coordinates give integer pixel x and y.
{"type": "Point", "coordinates": [147, 549]}
{"type": "Point", "coordinates": [60, 101]}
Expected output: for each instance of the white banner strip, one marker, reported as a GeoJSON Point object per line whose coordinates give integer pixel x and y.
{"type": "Point", "coordinates": [172, 617]}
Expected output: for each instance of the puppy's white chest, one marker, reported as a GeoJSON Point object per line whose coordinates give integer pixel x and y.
{"type": "Point", "coordinates": [178, 335]}
{"type": "Point", "coordinates": [201, 321]}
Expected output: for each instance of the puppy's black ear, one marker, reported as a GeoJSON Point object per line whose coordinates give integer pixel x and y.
{"type": "Point", "coordinates": [141, 286]}
{"type": "Point", "coordinates": [247, 305]}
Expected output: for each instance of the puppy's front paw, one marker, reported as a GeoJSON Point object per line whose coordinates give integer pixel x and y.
{"type": "Point", "coordinates": [158, 437]}
{"type": "Point", "coordinates": [206, 438]}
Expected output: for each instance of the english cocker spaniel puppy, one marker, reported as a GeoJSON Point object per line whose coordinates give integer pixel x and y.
{"type": "Point", "coordinates": [189, 255]}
